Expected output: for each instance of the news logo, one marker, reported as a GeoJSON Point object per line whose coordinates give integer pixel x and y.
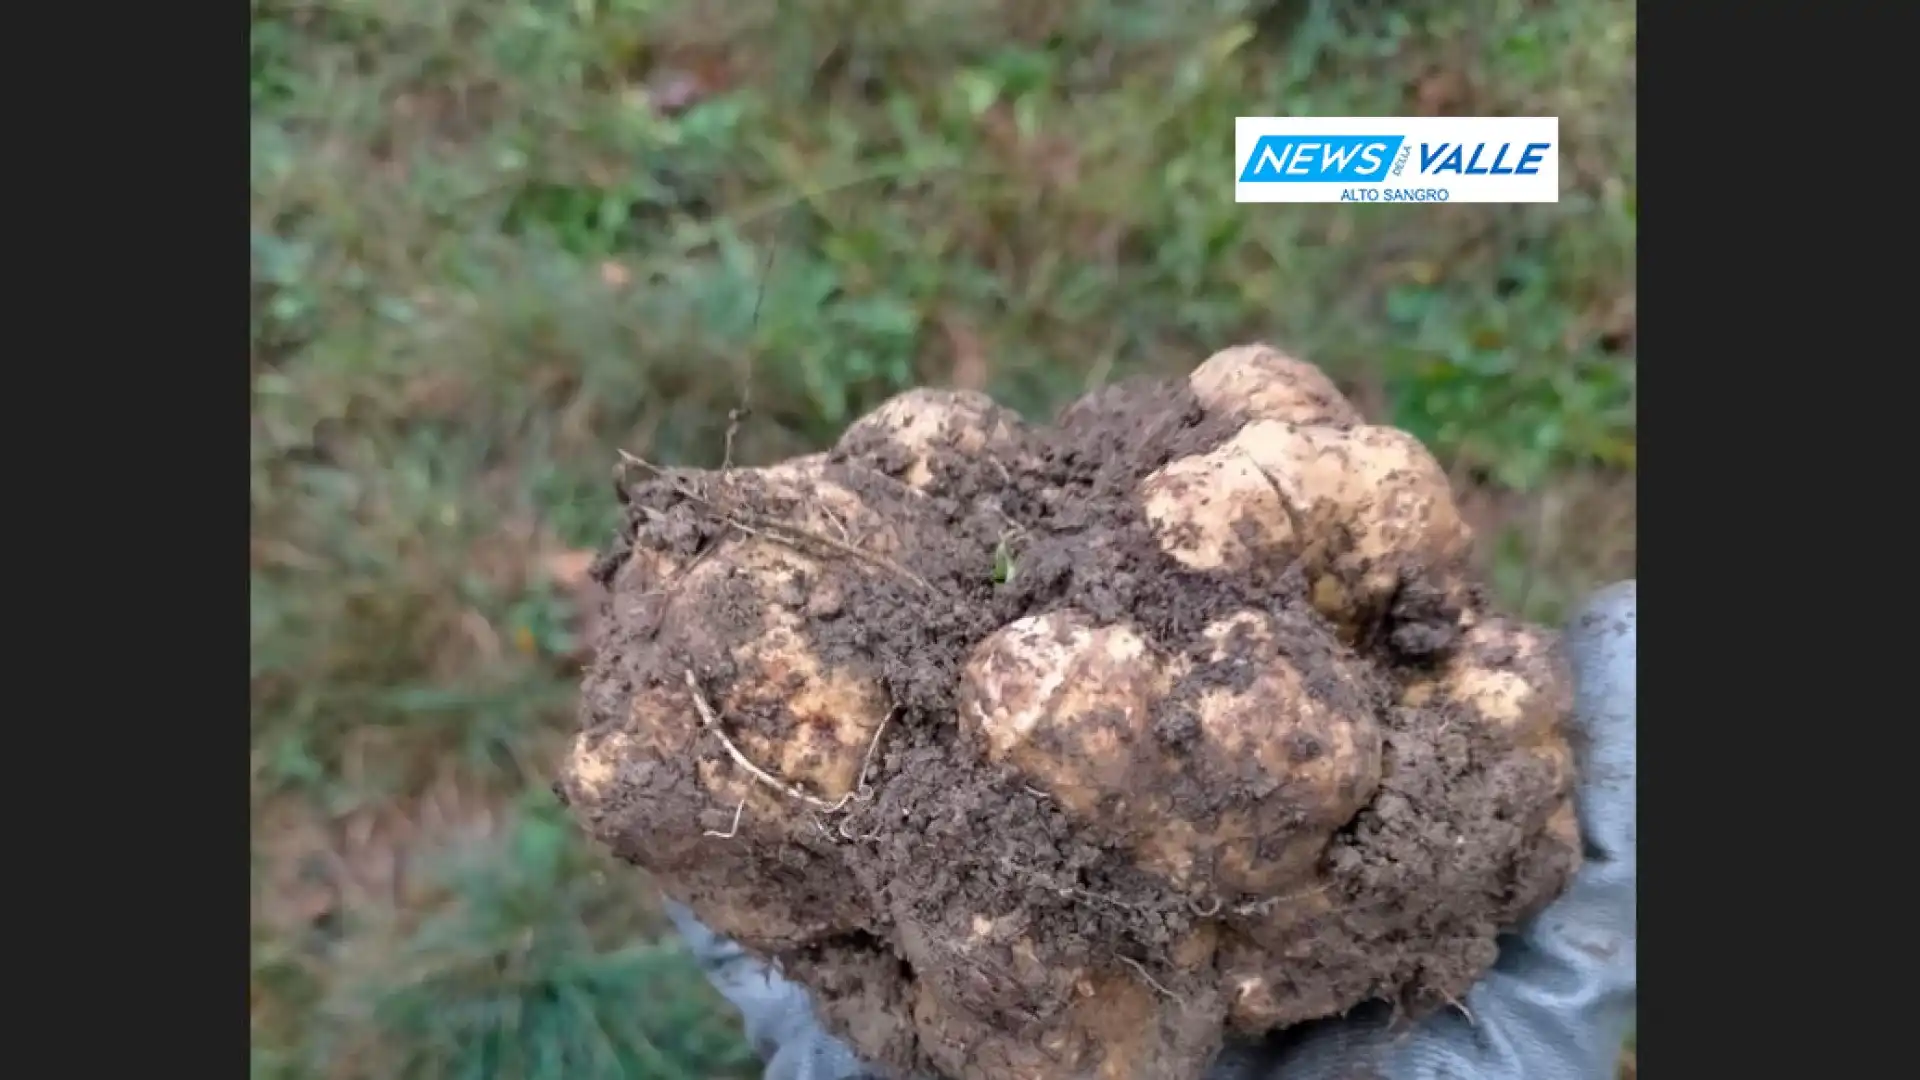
{"type": "Point", "coordinates": [1396, 159]}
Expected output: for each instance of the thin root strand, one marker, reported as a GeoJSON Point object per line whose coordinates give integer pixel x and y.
{"type": "Point", "coordinates": [733, 830]}
{"type": "Point", "coordinates": [1141, 970]}
{"type": "Point", "coordinates": [860, 793]}
{"type": "Point", "coordinates": [779, 532]}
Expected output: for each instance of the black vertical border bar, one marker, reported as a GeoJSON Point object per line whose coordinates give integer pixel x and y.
{"type": "Point", "coordinates": [127, 871]}
{"type": "Point", "coordinates": [1771, 298]}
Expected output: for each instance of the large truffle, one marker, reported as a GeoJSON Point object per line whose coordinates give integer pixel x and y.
{"type": "Point", "coordinates": [1058, 752]}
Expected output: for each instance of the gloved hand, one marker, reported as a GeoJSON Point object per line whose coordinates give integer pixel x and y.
{"type": "Point", "coordinates": [1556, 1006]}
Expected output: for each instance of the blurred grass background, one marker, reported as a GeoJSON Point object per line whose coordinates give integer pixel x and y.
{"type": "Point", "coordinates": [492, 241]}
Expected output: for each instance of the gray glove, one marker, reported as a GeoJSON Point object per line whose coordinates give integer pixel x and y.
{"type": "Point", "coordinates": [1556, 1006]}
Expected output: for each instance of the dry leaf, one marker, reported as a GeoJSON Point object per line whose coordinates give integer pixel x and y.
{"type": "Point", "coordinates": [570, 571]}
{"type": "Point", "coordinates": [1439, 93]}
{"type": "Point", "coordinates": [970, 368]}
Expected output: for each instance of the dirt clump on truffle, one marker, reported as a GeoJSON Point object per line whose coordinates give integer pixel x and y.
{"type": "Point", "coordinates": [1056, 752]}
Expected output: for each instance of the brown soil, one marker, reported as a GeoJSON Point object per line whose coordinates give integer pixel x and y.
{"type": "Point", "coordinates": [960, 919]}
